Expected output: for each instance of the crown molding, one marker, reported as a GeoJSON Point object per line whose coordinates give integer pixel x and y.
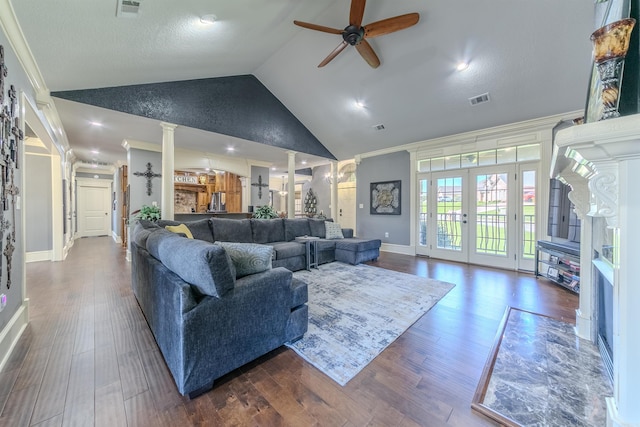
{"type": "Point", "coordinates": [505, 132]}
{"type": "Point", "coordinates": [44, 102]}
{"type": "Point", "coordinates": [141, 145]}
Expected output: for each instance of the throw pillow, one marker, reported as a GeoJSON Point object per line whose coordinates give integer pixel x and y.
{"type": "Point", "coordinates": [180, 229]}
{"type": "Point", "coordinates": [333, 230]}
{"type": "Point", "coordinates": [248, 258]}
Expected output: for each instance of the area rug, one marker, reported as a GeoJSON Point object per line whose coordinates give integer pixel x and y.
{"type": "Point", "coordinates": [540, 374]}
{"type": "Point", "coordinates": [355, 312]}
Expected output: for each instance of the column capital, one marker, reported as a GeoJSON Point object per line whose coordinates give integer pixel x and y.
{"type": "Point", "coordinates": [168, 126]}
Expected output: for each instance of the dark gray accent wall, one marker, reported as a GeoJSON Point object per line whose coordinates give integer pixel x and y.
{"type": "Point", "coordinates": [389, 167]}
{"type": "Point", "coordinates": [257, 171]}
{"type": "Point", "coordinates": [138, 184]}
{"type": "Point", "coordinates": [38, 206]}
{"type": "Point", "coordinates": [239, 106]}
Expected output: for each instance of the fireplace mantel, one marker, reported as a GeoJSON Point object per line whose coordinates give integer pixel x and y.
{"type": "Point", "coordinates": [601, 162]}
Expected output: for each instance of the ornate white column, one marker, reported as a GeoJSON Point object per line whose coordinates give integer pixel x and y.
{"type": "Point", "coordinates": [167, 202]}
{"type": "Point", "coordinates": [333, 182]}
{"type": "Point", "coordinates": [291, 184]}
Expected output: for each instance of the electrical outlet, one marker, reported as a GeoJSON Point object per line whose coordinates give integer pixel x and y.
{"type": "Point", "coordinates": [386, 234]}
{"type": "Point", "coordinates": [361, 205]}
{"type": "Point", "coordinates": [3, 301]}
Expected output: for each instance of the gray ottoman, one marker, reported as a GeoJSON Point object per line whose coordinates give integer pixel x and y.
{"type": "Point", "coordinates": [354, 250]}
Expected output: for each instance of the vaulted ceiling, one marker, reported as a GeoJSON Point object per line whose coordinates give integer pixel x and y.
{"type": "Point", "coordinates": [532, 58]}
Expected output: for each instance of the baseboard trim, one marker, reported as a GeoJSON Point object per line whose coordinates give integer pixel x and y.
{"type": "Point", "coordinates": [398, 249]}
{"type": "Point", "coordinates": [38, 256]}
{"type": "Point", "coordinates": [12, 332]}
{"type": "Point", "coordinates": [116, 238]}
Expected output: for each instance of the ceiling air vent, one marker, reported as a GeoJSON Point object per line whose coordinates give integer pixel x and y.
{"type": "Point", "coordinates": [379, 127]}
{"type": "Point", "coordinates": [479, 99]}
{"type": "Point", "coordinates": [127, 8]}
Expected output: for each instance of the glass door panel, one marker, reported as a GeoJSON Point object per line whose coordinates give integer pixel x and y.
{"type": "Point", "coordinates": [528, 180]}
{"type": "Point", "coordinates": [450, 228]}
{"type": "Point", "coordinates": [492, 217]}
{"type": "Point", "coordinates": [491, 213]}
{"type": "Point", "coordinates": [423, 214]}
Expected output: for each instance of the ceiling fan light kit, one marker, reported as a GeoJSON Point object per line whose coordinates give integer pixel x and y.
{"type": "Point", "coordinates": [355, 34]}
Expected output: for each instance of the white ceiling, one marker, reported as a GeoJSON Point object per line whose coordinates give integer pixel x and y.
{"type": "Point", "coordinates": [533, 58]}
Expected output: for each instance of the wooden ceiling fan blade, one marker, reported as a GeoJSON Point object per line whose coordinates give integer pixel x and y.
{"type": "Point", "coordinates": [390, 25]}
{"type": "Point", "coordinates": [357, 12]}
{"type": "Point", "coordinates": [333, 54]}
{"type": "Point", "coordinates": [366, 51]}
{"type": "Point", "coordinates": [318, 27]}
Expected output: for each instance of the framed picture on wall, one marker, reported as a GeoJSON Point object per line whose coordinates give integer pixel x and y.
{"type": "Point", "coordinates": [385, 198]}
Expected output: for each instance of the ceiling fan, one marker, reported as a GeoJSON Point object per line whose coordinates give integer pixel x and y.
{"type": "Point", "coordinates": [355, 34]}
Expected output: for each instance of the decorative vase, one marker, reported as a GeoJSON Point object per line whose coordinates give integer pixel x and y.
{"type": "Point", "coordinates": [610, 46]}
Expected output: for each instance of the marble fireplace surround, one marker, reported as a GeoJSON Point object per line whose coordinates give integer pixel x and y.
{"type": "Point", "coordinates": [601, 163]}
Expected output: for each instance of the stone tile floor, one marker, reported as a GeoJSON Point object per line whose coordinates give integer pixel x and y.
{"type": "Point", "coordinates": [544, 375]}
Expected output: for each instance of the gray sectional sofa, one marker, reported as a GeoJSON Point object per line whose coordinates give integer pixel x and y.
{"type": "Point", "coordinates": [212, 310]}
{"type": "Point", "coordinates": [280, 234]}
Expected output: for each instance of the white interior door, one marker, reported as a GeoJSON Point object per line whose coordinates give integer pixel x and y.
{"type": "Point", "coordinates": [94, 210]}
{"type": "Point", "coordinates": [347, 205]}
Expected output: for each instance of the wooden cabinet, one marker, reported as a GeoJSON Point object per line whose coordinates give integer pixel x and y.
{"type": "Point", "coordinates": [560, 263]}
{"type": "Point", "coordinates": [227, 183]}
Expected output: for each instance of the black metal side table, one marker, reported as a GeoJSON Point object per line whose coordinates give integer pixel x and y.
{"type": "Point", "coordinates": [311, 250]}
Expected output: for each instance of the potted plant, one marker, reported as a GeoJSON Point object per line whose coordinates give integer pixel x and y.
{"type": "Point", "coordinates": [148, 213]}
{"type": "Point", "coordinates": [265, 212]}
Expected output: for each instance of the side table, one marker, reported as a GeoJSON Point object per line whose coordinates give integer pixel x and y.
{"type": "Point", "coordinates": [311, 250]}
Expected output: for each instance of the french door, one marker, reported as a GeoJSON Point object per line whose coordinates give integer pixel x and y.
{"type": "Point", "coordinates": [479, 215]}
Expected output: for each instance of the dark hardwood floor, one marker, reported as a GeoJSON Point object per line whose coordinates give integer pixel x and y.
{"type": "Point", "coordinates": [88, 357]}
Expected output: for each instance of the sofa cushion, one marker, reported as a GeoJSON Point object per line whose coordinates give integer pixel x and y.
{"type": "Point", "coordinates": [231, 230]}
{"type": "Point", "coordinates": [267, 230]}
{"type": "Point", "coordinates": [294, 227]}
{"type": "Point", "coordinates": [180, 229]}
{"type": "Point", "coordinates": [300, 293]}
{"type": "Point", "coordinates": [141, 233]}
{"type": "Point", "coordinates": [199, 229]}
{"type": "Point", "coordinates": [333, 230]}
{"type": "Point", "coordinates": [248, 258]}
{"type": "Point", "coordinates": [204, 266]}
{"type": "Point", "coordinates": [317, 228]}
{"type": "Point", "coordinates": [288, 249]}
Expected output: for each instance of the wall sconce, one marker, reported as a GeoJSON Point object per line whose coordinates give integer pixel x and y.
{"type": "Point", "coordinates": [283, 192]}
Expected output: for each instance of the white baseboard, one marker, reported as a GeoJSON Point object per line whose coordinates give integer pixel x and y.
{"type": "Point", "coordinates": [116, 238]}
{"type": "Point", "coordinates": [12, 332]}
{"type": "Point", "coordinates": [38, 256]}
{"type": "Point", "coordinates": [398, 249]}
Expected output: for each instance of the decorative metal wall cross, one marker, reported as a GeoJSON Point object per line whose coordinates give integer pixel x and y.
{"type": "Point", "coordinates": [260, 186]}
{"type": "Point", "coordinates": [149, 175]}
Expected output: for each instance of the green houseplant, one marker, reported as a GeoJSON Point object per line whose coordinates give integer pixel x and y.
{"type": "Point", "coordinates": [149, 213]}
{"type": "Point", "coordinates": [265, 212]}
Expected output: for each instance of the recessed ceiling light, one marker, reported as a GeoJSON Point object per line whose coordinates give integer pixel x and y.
{"type": "Point", "coordinates": [96, 124]}
{"type": "Point", "coordinates": [208, 19]}
{"type": "Point", "coordinates": [462, 66]}
{"type": "Point", "coordinates": [95, 151]}
{"type": "Point", "coordinates": [230, 149]}
{"type": "Point", "coordinates": [273, 168]}
{"type": "Point", "coordinates": [304, 162]}
{"type": "Point", "coordinates": [359, 104]}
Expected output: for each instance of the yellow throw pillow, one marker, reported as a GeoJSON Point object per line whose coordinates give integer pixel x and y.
{"type": "Point", "coordinates": [180, 229]}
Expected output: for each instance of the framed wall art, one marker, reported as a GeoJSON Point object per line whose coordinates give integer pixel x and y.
{"type": "Point", "coordinates": [385, 198]}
